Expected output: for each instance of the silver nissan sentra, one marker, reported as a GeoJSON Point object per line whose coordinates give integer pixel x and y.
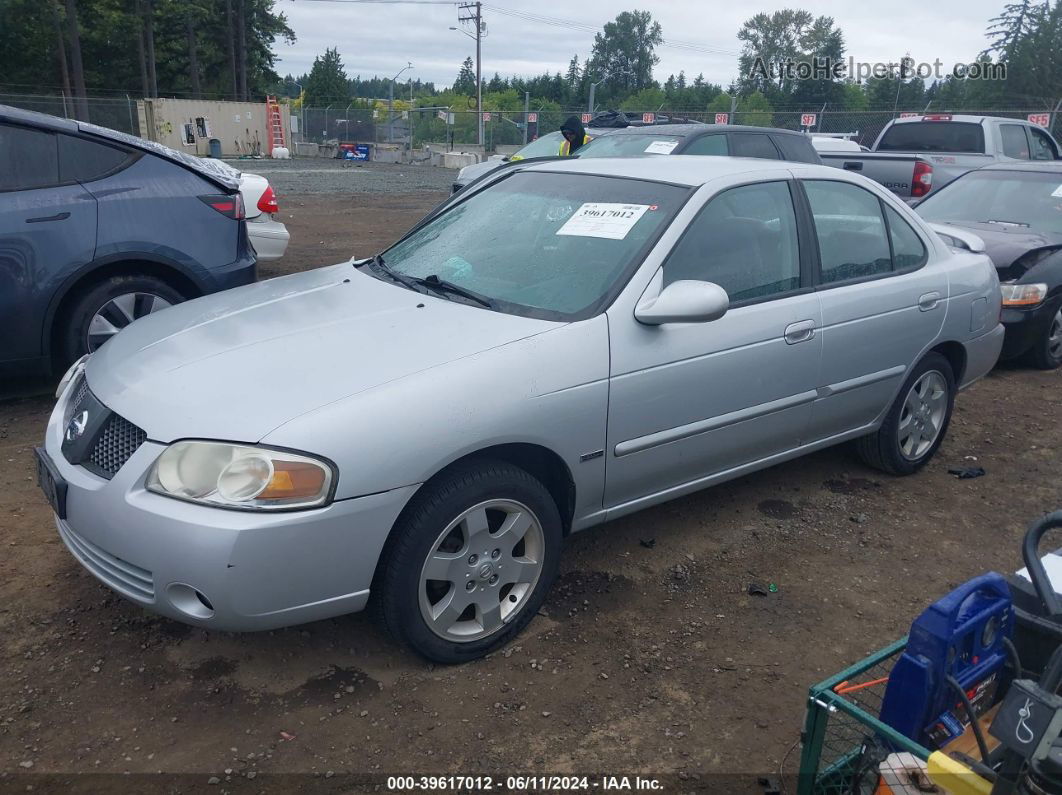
{"type": "Point", "coordinates": [555, 347]}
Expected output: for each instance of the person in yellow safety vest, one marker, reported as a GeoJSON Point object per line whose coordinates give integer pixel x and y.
{"type": "Point", "coordinates": [574, 136]}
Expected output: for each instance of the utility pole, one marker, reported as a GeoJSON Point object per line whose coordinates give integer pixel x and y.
{"type": "Point", "coordinates": [476, 17]}
{"type": "Point", "coordinates": [527, 112]}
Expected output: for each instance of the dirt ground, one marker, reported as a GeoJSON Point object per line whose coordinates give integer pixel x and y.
{"type": "Point", "coordinates": [648, 657]}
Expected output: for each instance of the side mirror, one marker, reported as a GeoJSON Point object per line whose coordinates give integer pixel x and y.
{"type": "Point", "coordinates": [684, 301]}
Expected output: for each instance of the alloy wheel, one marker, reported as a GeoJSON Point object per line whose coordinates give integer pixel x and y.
{"type": "Point", "coordinates": [481, 571]}
{"type": "Point", "coordinates": [923, 414]}
{"type": "Point", "coordinates": [118, 313]}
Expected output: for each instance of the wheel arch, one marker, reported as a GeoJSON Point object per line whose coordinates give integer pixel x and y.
{"type": "Point", "coordinates": [119, 265]}
{"type": "Point", "coordinates": [955, 353]}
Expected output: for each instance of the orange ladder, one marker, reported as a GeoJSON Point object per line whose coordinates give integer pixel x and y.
{"type": "Point", "coordinates": [274, 125]}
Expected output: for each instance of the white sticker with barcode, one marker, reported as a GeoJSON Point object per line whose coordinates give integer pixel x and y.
{"type": "Point", "coordinates": [661, 147]}
{"type": "Point", "coordinates": [1057, 193]}
{"type": "Point", "coordinates": [603, 219]}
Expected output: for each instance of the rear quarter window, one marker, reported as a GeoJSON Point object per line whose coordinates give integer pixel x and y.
{"type": "Point", "coordinates": [83, 160]}
{"type": "Point", "coordinates": [753, 145]}
{"type": "Point", "coordinates": [933, 136]}
{"type": "Point", "coordinates": [796, 148]}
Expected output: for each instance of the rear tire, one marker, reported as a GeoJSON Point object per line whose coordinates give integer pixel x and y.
{"type": "Point", "coordinates": [1046, 354]}
{"type": "Point", "coordinates": [114, 302]}
{"type": "Point", "coordinates": [917, 420]}
{"type": "Point", "coordinates": [469, 562]}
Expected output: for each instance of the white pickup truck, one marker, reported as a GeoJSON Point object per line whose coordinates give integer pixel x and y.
{"type": "Point", "coordinates": [915, 155]}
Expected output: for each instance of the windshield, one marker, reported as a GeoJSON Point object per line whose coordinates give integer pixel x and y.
{"type": "Point", "coordinates": [1017, 197]}
{"type": "Point", "coordinates": [933, 136]}
{"type": "Point", "coordinates": [541, 244]}
{"type": "Point", "coordinates": [630, 145]}
{"type": "Point", "coordinates": [546, 146]}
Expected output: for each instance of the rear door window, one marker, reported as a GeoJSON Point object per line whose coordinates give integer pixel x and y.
{"type": "Point", "coordinates": [933, 136]}
{"type": "Point", "coordinates": [1015, 144]}
{"type": "Point", "coordinates": [707, 145]}
{"type": "Point", "coordinates": [1042, 148]}
{"type": "Point", "coordinates": [83, 160]}
{"type": "Point", "coordinates": [28, 158]}
{"type": "Point", "coordinates": [853, 243]}
{"type": "Point", "coordinates": [752, 145]}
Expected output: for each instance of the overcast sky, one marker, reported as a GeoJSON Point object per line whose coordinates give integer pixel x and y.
{"type": "Point", "coordinates": [377, 38]}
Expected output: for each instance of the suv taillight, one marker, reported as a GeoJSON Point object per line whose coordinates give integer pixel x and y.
{"type": "Point", "coordinates": [921, 179]}
{"type": "Point", "coordinates": [229, 206]}
{"type": "Point", "coordinates": [268, 202]}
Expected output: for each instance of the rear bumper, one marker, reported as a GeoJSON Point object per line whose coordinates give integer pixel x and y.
{"type": "Point", "coordinates": [1025, 327]}
{"type": "Point", "coordinates": [269, 238]}
{"type": "Point", "coordinates": [235, 274]}
{"type": "Point", "coordinates": [982, 353]}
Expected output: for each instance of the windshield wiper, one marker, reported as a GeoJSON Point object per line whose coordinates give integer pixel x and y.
{"type": "Point", "coordinates": [378, 264]}
{"type": "Point", "coordinates": [434, 283]}
{"type": "Point", "coordinates": [1004, 223]}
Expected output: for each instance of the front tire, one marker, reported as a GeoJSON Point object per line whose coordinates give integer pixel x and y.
{"type": "Point", "coordinates": [469, 562]}
{"type": "Point", "coordinates": [917, 420]}
{"type": "Point", "coordinates": [1046, 354]}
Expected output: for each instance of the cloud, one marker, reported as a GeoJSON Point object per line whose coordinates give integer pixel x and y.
{"type": "Point", "coordinates": [381, 38]}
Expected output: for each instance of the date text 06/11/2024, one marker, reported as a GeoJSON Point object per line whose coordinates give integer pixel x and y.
{"type": "Point", "coordinates": [522, 783]}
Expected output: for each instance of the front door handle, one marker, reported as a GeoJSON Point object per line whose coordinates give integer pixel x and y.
{"type": "Point", "coordinates": [928, 301]}
{"type": "Point", "coordinates": [56, 217]}
{"type": "Point", "coordinates": [801, 331]}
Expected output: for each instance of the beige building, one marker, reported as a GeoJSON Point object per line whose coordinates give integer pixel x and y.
{"type": "Point", "coordinates": [189, 124]}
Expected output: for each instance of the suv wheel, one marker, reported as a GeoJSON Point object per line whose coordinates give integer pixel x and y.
{"type": "Point", "coordinates": [110, 306]}
{"type": "Point", "coordinates": [917, 420]}
{"type": "Point", "coordinates": [469, 562]}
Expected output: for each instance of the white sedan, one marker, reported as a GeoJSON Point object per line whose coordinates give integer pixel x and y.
{"type": "Point", "coordinates": [268, 235]}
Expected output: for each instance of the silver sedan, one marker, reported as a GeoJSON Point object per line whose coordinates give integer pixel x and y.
{"type": "Point", "coordinates": [557, 346]}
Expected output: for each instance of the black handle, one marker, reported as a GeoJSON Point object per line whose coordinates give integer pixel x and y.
{"type": "Point", "coordinates": [56, 217]}
{"type": "Point", "coordinates": [1030, 550]}
{"type": "Point", "coordinates": [852, 165]}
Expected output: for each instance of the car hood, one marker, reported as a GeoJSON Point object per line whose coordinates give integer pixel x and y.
{"type": "Point", "coordinates": [237, 364]}
{"type": "Point", "coordinates": [1012, 249]}
{"type": "Point", "coordinates": [477, 170]}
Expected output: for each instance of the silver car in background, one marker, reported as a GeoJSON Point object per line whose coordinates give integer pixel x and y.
{"type": "Point", "coordinates": [564, 344]}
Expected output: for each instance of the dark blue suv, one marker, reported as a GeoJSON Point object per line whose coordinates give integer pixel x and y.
{"type": "Point", "coordinates": [98, 228]}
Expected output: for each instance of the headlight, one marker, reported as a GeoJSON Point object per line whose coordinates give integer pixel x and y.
{"type": "Point", "coordinates": [240, 476]}
{"type": "Point", "coordinates": [70, 375]}
{"type": "Point", "coordinates": [1023, 294]}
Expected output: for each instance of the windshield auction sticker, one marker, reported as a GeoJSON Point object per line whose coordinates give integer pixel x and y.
{"type": "Point", "coordinates": [661, 147]}
{"type": "Point", "coordinates": [603, 219]}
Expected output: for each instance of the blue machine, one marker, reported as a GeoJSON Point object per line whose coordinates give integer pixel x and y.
{"type": "Point", "coordinates": [961, 636]}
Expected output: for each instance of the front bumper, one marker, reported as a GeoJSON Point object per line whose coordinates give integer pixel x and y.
{"type": "Point", "coordinates": [269, 238]}
{"type": "Point", "coordinates": [220, 569]}
{"type": "Point", "coordinates": [1025, 327]}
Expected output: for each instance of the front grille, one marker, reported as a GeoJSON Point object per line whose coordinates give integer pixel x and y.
{"type": "Point", "coordinates": [80, 392]}
{"type": "Point", "coordinates": [118, 440]}
{"type": "Point", "coordinates": [122, 576]}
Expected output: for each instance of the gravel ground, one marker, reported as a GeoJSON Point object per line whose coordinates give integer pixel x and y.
{"type": "Point", "coordinates": [648, 657]}
{"type": "Point", "coordinates": [320, 175]}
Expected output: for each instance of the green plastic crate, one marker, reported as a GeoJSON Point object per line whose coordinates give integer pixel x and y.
{"type": "Point", "coordinates": [836, 725]}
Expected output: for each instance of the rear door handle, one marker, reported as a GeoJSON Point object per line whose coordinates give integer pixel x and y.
{"type": "Point", "coordinates": [801, 331]}
{"type": "Point", "coordinates": [56, 217]}
{"type": "Point", "coordinates": [928, 301]}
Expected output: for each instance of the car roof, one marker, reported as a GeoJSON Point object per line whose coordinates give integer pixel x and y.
{"type": "Point", "coordinates": [214, 170]}
{"type": "Point", "coordinates": [929, 117]}
{"type": "Point", "coordinates": [686, 130]}
{"type": "Point", "coordinates": [691, 170]}
{"type": "Point", "coordinates": [1041, 166]}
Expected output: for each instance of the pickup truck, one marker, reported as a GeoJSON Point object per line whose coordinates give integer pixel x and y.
{"type": "Point", "coordinates": [915, 155]}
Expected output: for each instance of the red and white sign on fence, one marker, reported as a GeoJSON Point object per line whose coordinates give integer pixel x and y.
{"type": "Point", "coordinates": [586, 118]}
{"type": "Point", "coordinates": [722, 118]}
{"type": "Point", "coordinates": [532, 118]}
{"type": "Point", "coordinates": [486, 115]}
{"type": "Point", "coordinates": [647, 118]}
{"type": "Point", "coordinates": [1042, 119]}
{"type": "Point", "coordinates": [907, 114]}
{"type": "Point", "coordinates": [807, 119]}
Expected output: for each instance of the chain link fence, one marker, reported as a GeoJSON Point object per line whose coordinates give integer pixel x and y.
{"type": "Point", "coordinates": [116, 113]}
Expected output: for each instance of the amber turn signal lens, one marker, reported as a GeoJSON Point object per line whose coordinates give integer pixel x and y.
{"type": "Point", "coordinates": [293, 480]}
